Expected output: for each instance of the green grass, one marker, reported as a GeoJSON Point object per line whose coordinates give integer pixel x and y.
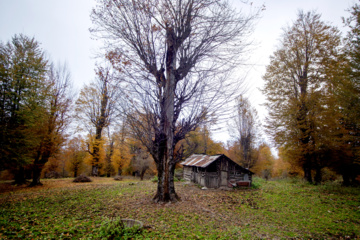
{"type": "Point", "coordinates": [275, 209]}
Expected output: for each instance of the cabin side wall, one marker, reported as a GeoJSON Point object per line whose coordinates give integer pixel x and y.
{"type": "Point", "coordinates": [199, 176]}
{"type": "Point", "coordinates": [187, 173]}
{"type": "Point", "coordinates": [238, 175]}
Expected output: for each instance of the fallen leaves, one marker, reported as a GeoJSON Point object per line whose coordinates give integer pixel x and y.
{"type": "Point", "coordinates": [279, 210]}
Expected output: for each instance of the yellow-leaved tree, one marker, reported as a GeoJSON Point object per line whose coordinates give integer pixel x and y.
{"type": "Point", "coordinates": [298, 88]}
{"type": "Point", "coordinates": [265, 162]}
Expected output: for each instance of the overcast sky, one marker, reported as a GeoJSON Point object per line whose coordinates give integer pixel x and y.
{"type": "Point", "coordinates": [62, 27]}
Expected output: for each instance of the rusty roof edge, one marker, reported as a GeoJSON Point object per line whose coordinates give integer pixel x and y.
{"type": "Point", "coordinates": [206, 164]}
{"type": "Point", "coordinates": [210, 162]}
{"type": "Point", "coordinates": [190, 159]}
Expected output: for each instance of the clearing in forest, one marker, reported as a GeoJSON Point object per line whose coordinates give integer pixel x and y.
{"type": "Point", "coordinates": [277, 209]}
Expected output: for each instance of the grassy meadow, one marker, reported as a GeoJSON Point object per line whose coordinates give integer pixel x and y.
{"type": "Point", "coordinates": [61, 209]}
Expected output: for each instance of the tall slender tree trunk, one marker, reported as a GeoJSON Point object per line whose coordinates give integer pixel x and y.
{"type": "Point", "coordinates": [96, 159]}
{"type": "Point", "coordinates": [318, 173]}
{"type": "Point", "coordinates": [307, 169]}
{"type": "Point", "coordinates": [96, 153]}
{"type": "Point", "coordinates": [75, 172]}
{"type": "Point", "coordinates": [318, 176]}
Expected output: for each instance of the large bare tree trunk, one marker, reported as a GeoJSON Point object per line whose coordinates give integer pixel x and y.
{"type": "Point", "coordinates": [166, 188]}
{"type": "Point", "coordinates": [166, 192]}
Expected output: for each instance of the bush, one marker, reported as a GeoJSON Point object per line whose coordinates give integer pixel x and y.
{"type": "Point", "coordinates": [255, 185]}
{"type": "Point", "coordinates": [118, 229]}
{"type": "Point", "coordinates": [256, 182]}
{"type": "Point", "coordinates": [82, 178]}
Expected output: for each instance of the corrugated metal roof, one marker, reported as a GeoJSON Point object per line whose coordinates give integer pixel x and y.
{"type": "Point", "coordinates": [200, 160]}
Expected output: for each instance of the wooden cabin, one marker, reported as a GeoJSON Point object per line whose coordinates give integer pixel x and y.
{"type": "Point", "coordinates": [215, 171]}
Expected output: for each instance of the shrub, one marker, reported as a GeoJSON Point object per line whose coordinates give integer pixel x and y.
{"type": "Point", "coordinates": [154, 179]}
{"type": "Point", "coordinates": [256, 183]}
{"type": "Point", "coordinates": [82, 178]}
{"type": "Point", "coordinates": [118, 229]}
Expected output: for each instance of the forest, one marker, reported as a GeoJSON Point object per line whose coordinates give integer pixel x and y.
{"type": "Point", "coordinates": [167, 76]}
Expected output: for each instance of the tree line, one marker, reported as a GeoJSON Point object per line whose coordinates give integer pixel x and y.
{"type": "Point", "coordinates": [168, 68]}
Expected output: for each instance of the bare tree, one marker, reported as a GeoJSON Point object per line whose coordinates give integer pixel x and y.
{"type": "Point", "coordinates": [177, 56]}
{"type": "Point", "coordinates": [95, 109]}
{"type": "Point", "coordinates": [244, 128]}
